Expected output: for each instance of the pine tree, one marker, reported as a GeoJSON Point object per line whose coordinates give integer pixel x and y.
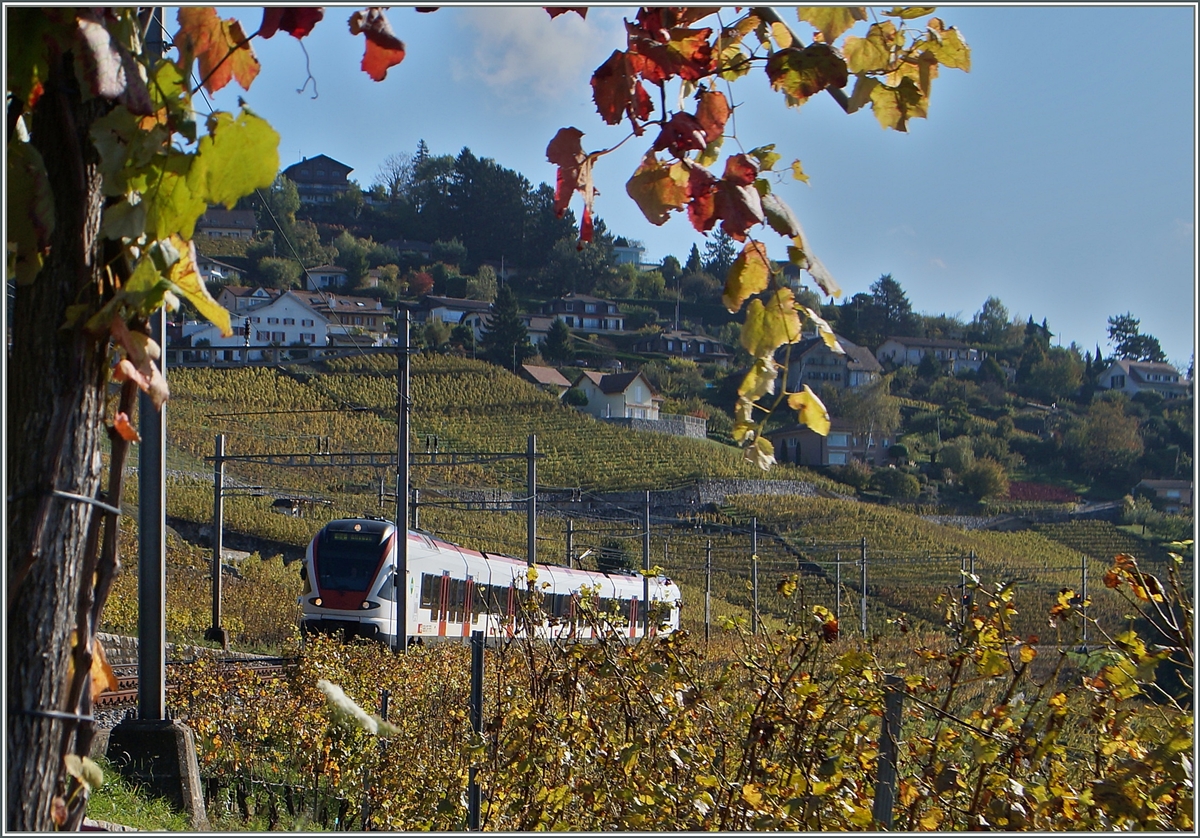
{"type": "Point", "coordinates": [719, 254]}
{"type": "Point", "coordinates": [694, 265]}
{"type": "Point", "coordinates": [557, 347]}
{"type": "Point", "coordinates": [506, 342]}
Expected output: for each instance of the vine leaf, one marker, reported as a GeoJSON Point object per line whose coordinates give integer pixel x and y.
{"type": "Point", "coordinates": [948, 46]}
{"type": "Point", "coordinates": [780, 216]}
{"type": "Point", "coordinates": [802, 73]}
{"type": "Point", "coordinates": [712, 113]}
{"type": "Point", "coordinates": [297, 22]}
{"type": "Point", "coordinates": [658, 189]}
{"type": "Point", "coordinates": [221, 46]}
{"type": "Point", "coordinates": [682, 133]}
{"type": "Point", "coordinates": [27, 57]}
{"type": "Point", "coordinates": [384, 49]}
{"type": "Point", "coordinates": [173, 194]}
{"type": "Point", "coordinates": [770, 325]}
{"type": "Point", "coordinates": [106, 69]}
{"type": "Point", "coordinates": [617, 91]}
{"type": "Point", "coordinates": [810, 410]}
{"type": "Point", "coordinates": [574, 174]}
{"type": "Point", "coordinates": [894, 106]}
{"type": "Point", "coordinates": [124, 428]}
{"type": "Point", "coordinates": [238, 156]}
{"type": "Point", "coordinates": [872, 53]}
{"type": "Point", "coordinates": [831, 21]}
{"type": "Point", "coordinates": [555, 11]}
{"type": "Point", "coordinates": [747, 276]}
{"type": "Point", "coordinates": [186, 277]}
{"type": "Point", "coordinates": [29, 222]}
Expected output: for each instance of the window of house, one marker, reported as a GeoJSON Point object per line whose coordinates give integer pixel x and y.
{"type": "Point", "coordinates": [839, 441]}
{"type": "Point", "coordinates": [612, 309]}
{"type": "Point", "coordinates": [306, 322]}
{"type": "Point", "coordinates": [272, 321]}
{"type": "Point", "coordinates": [670, 345]}
{"type": "Point", "coordinates": [289, 321]}
{"type": "Point", "coordinates": [357, 321]}
{"type": "Point", "coordinates": [277, 337]}
{"type": "Point", "coordinates": [307, 338]}
{"type": "Point", "coordinates": [703, 348]}
{"type": "Point", "coordinates": [837, 458]}
{"type": "Point", "coordinates": [262, 335]}
{"type": "Point", "coordinates": [589, 308]}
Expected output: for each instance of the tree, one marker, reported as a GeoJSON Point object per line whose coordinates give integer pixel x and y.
{"type": "Point", "coordinates": [719, 253]}
{"type": "Point", "coordinates": [985, 478]}
{"type": "Point", "coordinates": [1106, 441]}
{"type": "Point", "coordinates": [1129, 343]}
{"type": "Point", "coordinates": [693, 264]}
{"type": "Point", "coordinates": [483, 285]}
{"type": "Point", "coordinates": [395, 174]}
{"type": "Point", "coordinates": [557, 346]}
{"type": "Point", "coordinates": [352, 255]}
{"type": "Point", "coordinates": [991, 324]}
{"type": "Point", "coordinates": [279, 273]}
{"type": "Point", "coordinates": [506, 341]}
{"type": "Point", "coordinates": [895, 309]}
{"type": "Point", "coordinates": [895, 483]}
{"type": "Point", "coordinates": [670, 269]}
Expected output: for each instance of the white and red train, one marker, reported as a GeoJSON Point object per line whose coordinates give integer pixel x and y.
{"type": "Point", "coordinates": [350, 586]}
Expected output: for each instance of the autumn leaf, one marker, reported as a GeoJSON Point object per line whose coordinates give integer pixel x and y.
{"type": "Point", "coordinates": [574, 174]}
{"type": "Point", "coordinates": [780, 216]}
{"type": "Point", "coordinates": [106, 68]}
{"type": "Point", "coordinates": [770, 325]}
{"type": "Point", "coordinates": [681, 134]}
{"type": "Point", "coordinates": [712, 113]}
{"type": "Point", "coordinates": [658, 189]}
{"type": "Point", "coordinates": [555, 11]}
{"type": "Point", "coordinates": [910, 12]}
{"type": "Point", "coordinates": [760, 379]}
{"type": "Point", "coordinates": [738, 207]}
{"type": "Point", "coordinates": [825, 331]}
{"type": "Point", "coordinates": [801, 73]}
{"type": "Point", "coordinates": [872, 53]}
{"type": "Point", "coordinates": [221, 46]}
{"type": "Point", "coordinates": [84, 770]}
{"type": "Point", "coordinates": [810, 410]}
{"type": "Point", "coordinates": [894, 105]}
{"type": "Point", "coordinates": [948, 46]}
{"type": "Point", "coordinates": [702, 191]}
{"type": "Point", "coordinates": [27, 57]}
{"type": "Point", "coordinates": [384, 49]}
{"type": "Point", "coordinates": [185, 276]}
{"type": "Point", "coordinates": [831, 21]}
{"type": "Point", "coordinates": [297, 22]}
{"type": "Point", "coordinates": [617, 91]}
{"type": "Point", "coordinates": [747, 276]}
{"type": "Point", "coordinates": [124, 428]}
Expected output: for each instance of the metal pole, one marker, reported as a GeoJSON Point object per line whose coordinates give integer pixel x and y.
{"type": "Point", "coordinates": [837, 608]}
{"type": "Point", "coordinates": [531, 506]}
{"type": "Point", "coordinates": [962, 599]}
{"type": "Point", "coordinates": [646, 567]}
{"type": "Point", "coordinates": [1083, 594]}
{"type": "Point", "coordinates": [570, 543]}
{"type": "Point", "coordinates": [215, 632]}
{"type": "Point", "coordinates": [754, 575]}
{"type": "Point", "coordinates": [863, 589]}
{"type": "Point", "coordinates": [707, 590]}
{"type": "Point", "coordinates": [416, 508]}
{"type": "Point", "coordinates": [403, 406]}
{"type": "Point", "coordinates": [473, 795]}
{"type": "Point", "coordinates": [885, 780]}
{"type": "Point", "coordinates": [152, 546]}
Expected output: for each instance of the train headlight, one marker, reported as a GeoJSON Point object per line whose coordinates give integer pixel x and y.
{"type": "Point", "coordinates": [366, 605]}
{"type": "Point", "coordinates": [317, 602]}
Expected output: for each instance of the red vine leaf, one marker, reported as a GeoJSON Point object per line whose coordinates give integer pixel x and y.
{"type": "Point", "coordinates": [617, 90]}
{"type": "Point", "coordinates": [586, 227]}
{"type": "Point", "coordinates": [124, 427]}
{"type": "Point", "coordinates": [384, 49]}
{"type": "Point", "coordinates": [555, 11]}
{"type": "Point", "coordinates": [220, 45]}
{"type": "Point", "coordinates": [702, 186]}
{"type": "Point", "coordinates": [297, 22]}
{"type": "Point", "coordinates": [682, 133]}
{"type": "Point", "coordinates": [712, 113]}
{"type": "Point", "coordinates": [658, 189]}
{"type": "Point", "coordinates": [566, 152]}
{"type": "Point", "coordinates": [741, 170]}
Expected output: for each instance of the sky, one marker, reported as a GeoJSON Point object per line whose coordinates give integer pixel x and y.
{"type": "Point", "coordinates": [1058, 175]}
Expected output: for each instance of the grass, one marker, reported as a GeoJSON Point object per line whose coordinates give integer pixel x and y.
{"type": "Point", "coordinates": [121, 802]}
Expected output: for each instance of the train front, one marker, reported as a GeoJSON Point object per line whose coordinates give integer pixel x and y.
{"type": "Point", "coordinates": [349, 584]}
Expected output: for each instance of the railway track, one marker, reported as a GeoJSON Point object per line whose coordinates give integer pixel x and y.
{"type": "Point", "coordinates": [126, 693]}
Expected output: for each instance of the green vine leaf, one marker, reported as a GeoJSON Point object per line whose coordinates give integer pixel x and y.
{"type": "Point", "coordinates": [238, 156]}
{"type": "Point", "coordinates": [30, 217]}
{"type": "Point", "coordinates": [748, 276]}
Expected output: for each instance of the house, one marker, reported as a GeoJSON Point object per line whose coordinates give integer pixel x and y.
{"type": "Point", "coordinates": [319, 180]}
{"type": "Point", "coordinates": [620, 395]}
{"type": "Point", "coordinates": [1132, 377]}
{"type": "Point", "coordinates": [537, 327]}
{"type": "Point", "coordinates": [954, 355]}
{"type": "Point", "coordinates": [812, 362]}
{"type": "Point", "coordinates": [219, 223]}
{"type": "Point", "coordinates": [680, 344]}
{"type": "Point", "coordinates": [236, 298]}
{"type": "Point", "coordinates": [423, 249]}
{"type": "Point", "coordinates": [1173, 496]}
{"type": "Point", "coordinates": [454, 310]}
{"type": "Point", "coordinates": [628, 253]}
{"type": "Point", "coordinates": [579, 311]}
{"type": "Point", "coordinates": [290, 318]}
{"type": "Point", "coordinates": [213, 270]}
{"type": "Point", "coordinates": [545, 377]}
{"type": "Point", "coordinates": [801, 445]}
{"type": "Point", "coordinates": [351, 317]}
{"type": "Point", "coordinates": [324, 276]}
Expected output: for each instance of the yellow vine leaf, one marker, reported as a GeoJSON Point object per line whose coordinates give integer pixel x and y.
{"type": "Point", "coordinates": [811, 411]}
{"type": "Point", "coordinates": [747, 277]}
{"type": "Point", "coordinates": [186, 277]}
{"type": "Point", "coordinates": [831, 21]}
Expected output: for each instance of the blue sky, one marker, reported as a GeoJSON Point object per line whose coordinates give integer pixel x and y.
{"type": "Point", "coordinates": [1058, 175]}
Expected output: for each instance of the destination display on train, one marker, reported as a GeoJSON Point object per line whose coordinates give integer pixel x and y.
{"type": "Point", "coordinates": [355, 537]}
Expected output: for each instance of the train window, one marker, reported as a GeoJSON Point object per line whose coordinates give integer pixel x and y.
{"type": "Point", "coordinates": [348, 561]}
{"type": "Point", "coordinates": [388, 589]}
{"type": "Point", "coordinates": [457, 588]}
{"type": "Point", "coordinates": [431, 591]}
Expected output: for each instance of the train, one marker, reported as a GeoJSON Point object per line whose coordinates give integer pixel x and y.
{"type": "Point", "coordinates": [350, 586]}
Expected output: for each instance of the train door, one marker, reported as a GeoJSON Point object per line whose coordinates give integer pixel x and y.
{"type": "Point", "coordinates": [443, 603]}
{"type": "Point", "coordinates": [466, 604]}
{"type": "Point", "coordinates": [633, 616]}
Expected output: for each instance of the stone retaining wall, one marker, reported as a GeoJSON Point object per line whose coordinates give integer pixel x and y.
{"type": "Point", "coordinates": [120, 650]}
{"type": "Point", "coordinates": [667, 423]}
